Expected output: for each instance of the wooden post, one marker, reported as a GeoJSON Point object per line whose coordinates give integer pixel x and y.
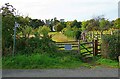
{"type": "Point", "coordinates": [79, 46]}
{"type": "Point", "coordinates": [95, 47]}
{"type": "Point", "coordinates": [119, 60]}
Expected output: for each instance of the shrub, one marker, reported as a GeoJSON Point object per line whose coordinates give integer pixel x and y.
{"type": "Point", "coordinates": [69, 33]}
{"type": "Point", "coordinates": [73, 33]}
{"type": "Point", "coordinates": [110, 46]}
{"type": "Point", "coordinates": [36, 45]}
{"type": "Point", "coordinates": [44, 30]}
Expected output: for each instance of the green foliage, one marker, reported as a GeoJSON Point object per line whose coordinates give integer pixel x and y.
{"type": "Point", "coordinates": [98, 23]}
{"type": "Point", "coordinates": [59, 27]}
{"type": "Point", "coordinates": [112, 44]}
{"type": "Point", "coordinates": [72, 32]}
{"type": "Point", "coordinates": [8, 20]}
{"type": "Point", "coordinates": [116, 32]}
{"type": "Point", "coordinates": [26, 31]}
{"type": "Point", "coordinates": [7, 9]}
{"type": "Point", "coordinates": [22, 21]}
{"type": "Point", "coordinates": [44, 30]}
{"type": "Point", "coordinates": [69, 33]}
{"type": "Point", "coordinates": [36, 23]}
{"type": "Point", "coordinates": [56, 60]}
{"type": "Point", "coordinates": [84, 25]}
{"type": "Point", "coordinates": [107, 62]}
{"type": "Point", "coordinates": [117, 23]}
{"type": "Point", "coordinates": [104, 24]}
{"type": "Point", "coordinates": [74, 23]}
{"type": "Point", "coordinates": [35, 45]}
{"type": "Point", "coordinates": [61, 60]}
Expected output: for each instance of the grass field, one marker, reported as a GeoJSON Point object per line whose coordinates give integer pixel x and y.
{"type": "Point", "coordinates": [59, 37]}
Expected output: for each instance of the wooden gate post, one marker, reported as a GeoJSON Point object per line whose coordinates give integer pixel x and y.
{"type": "Point", "coordinates": [79, 46]}
{"type": "Point", "coordinates": [95, 48]}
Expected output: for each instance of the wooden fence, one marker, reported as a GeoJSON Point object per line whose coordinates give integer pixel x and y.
{"type": "Point", "coordinates": [85, 48]}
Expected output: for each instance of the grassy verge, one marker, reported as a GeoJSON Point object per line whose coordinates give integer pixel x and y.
{"type": "Point", "coordinates": [60, 60]}
{"type": "Point", "coordinates": [41, 61]}
{"type": "Point", "coordinates": [103, 62]}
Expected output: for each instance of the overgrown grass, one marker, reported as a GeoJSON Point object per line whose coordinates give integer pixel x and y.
{"type": "Point", "coordinates": [103, 62]}
{"type": "Point", "coordinates": [60, 60]}
{"type": "Point", "coordinates": [42, 61]}
{"type": "Point", "coordinates": [107, 62]}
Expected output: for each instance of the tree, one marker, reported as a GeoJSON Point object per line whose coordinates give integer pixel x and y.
{"type": "Point", "coordinates": [7, 9]}
{"type": "Point", "coordinates": [8, 20]}
{"type": "Point", "coordinates": [89, 25]}
{"type": "Point", "coordinates": [84, 25]}
{"type": "Point", "coordinates": [44, 30]}
{"type": "Point", "coordinates": [69, 24]}
{"type": "Point", "coordinates": [23, 21]}
{"type": "Point", "coordinates": [117, 23]}
{"type": "Point", "coordinates": [56, 21]}
{"type": "Point", "coordinates": [59, 27]}
{"type": "Point", "coordinates": [35, 23]}
{"type": "Point", "coordinates": [75, 23]}
{"type": "Point", "coordinates": [103, 25]}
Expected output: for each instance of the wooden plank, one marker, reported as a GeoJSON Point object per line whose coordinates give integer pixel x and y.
{"type": "Point", "coordinates": [99, 52]}
{"type": "Point", "coordinates": [73, 51]}
{"type": "Point", "coordinates": [84, 52]}
{"type": "Point", "coordinates": [62, 47]}
{"type": "Point", "coordinates": [75, 46]}
{"type": "Point", "coordinates": [66, 43]}
{"type": "Point", "coordinates": [87, 52]}
{"type": "Point", "coordinates": [90, 47]}
{"type": "Point", "coordinates": [85, 49]}
{"type": "Point", "coordinates": [86, 43]}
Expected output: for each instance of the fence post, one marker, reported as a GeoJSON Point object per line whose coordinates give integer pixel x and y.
{"type": "Point", "coordinates": [79, 46]}
{"type": "Point", "coordinates": [95, 48]}
{"type": "Point", "coordinates": [119, 60]}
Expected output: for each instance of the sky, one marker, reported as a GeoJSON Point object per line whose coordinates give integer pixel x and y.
{"type": "Point", "coordinates": [65, 9]}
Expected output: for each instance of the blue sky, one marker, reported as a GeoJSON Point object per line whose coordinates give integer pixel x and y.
{"type": "Point", "coordinates": [66, 9]}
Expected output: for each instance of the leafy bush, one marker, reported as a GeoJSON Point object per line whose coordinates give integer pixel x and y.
{"type": "Point", "coordinates": [110, 46]}
{"type": "Point", "coordinates": [35, 45]}
{"type": "Point", "coordinates": [69, 33]}
{"type": "Point", "coordinates": [73, 33]}
{"type": "Point", "coordinates": [44, 30]}
{"type": "Point", "coordinates": [116, 32]}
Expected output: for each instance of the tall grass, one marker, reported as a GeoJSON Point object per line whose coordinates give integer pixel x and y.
{"type": "Point", "coordinates": [39, 61]}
